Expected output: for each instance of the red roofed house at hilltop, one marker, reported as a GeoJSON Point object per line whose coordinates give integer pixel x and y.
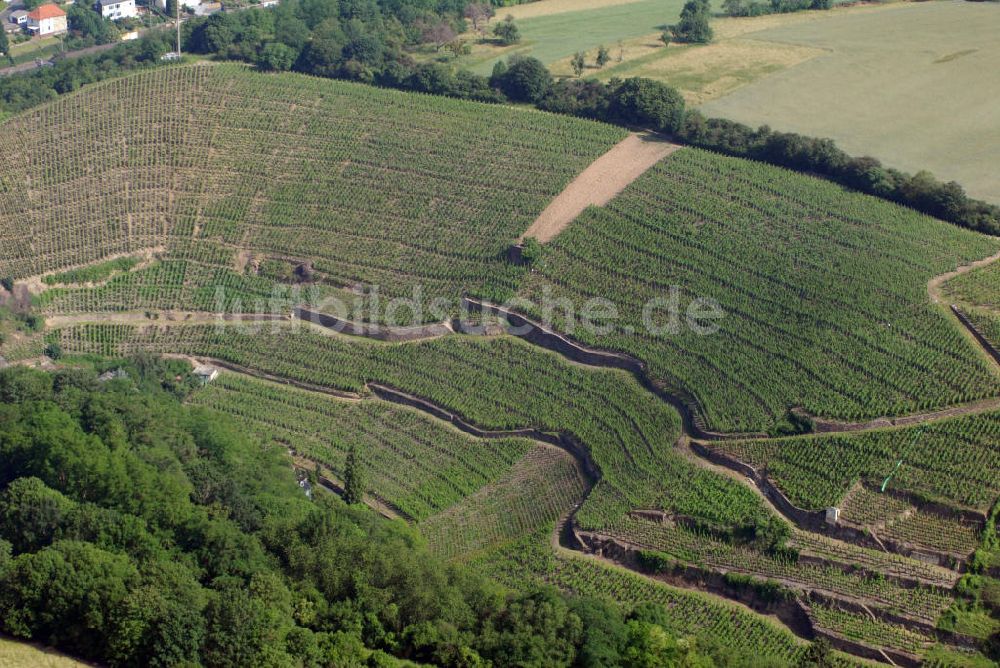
{"type": "Point", "coordinates": [46, 20]}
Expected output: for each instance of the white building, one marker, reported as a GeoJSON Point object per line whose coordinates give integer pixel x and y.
{"type": "Point", "coordinates": [47, 20]}
{"type": "Point", "coordinates": [207, 8]}
{"type": "Point", "coordinates": [206, 374]}
{"type": "Point", "coordinates": [832, 515]}
{"type": "Point", "coordinates": [189, 4]}
{"type": "Point", "coordinates": [19, 17]}
{"type": "Point", "coordinates": [117, 9]}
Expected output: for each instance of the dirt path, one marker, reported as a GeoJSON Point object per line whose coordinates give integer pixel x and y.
{"type": "Point", "coordinates": [600, 182]}
{"type": "Point", "coordinates": [970, 333]}
{"type": "Point", "coordinates": [37, 286]}
{"type": "Point", "coordinates": [329, 482]}
{"type": "Point", "coordinates": [934, 285]}
{"type": "Point", "coordinates": [160, 318]}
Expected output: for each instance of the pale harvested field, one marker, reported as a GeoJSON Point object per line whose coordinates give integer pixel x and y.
{"type": "Point", "coordinates": [17, 654]}
{"type": "Point", "coordinates": [735, 58]}
{"type": "Point", "coordinates": [915, 85]}
{"type": "Point", "coordinates": [549, 7]}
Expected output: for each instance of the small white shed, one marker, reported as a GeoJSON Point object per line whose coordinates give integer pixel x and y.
{"type": "Point", "coordinates": [832, 515]}
{"type": "Point", "coordinates": [206, 374]}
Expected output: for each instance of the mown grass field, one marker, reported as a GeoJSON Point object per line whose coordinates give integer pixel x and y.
{"type": "Point", "coordinates": [736, 56]}
{"type": "Point", "coordinates": [553, 30]}
{"type": "Point", "coordinates": [905, 84]}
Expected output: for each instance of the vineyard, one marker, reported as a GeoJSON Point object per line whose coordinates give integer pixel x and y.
{"type": "Point", "coordinates": [980, 287]}
{"type": "Point", "coordinates": [473, 498]}
{"type": "Point", "coordinates": [873, 632]}
{"type": "Point", "coordinates": [224, 190]}
{"type": "Point", "coordinates": [233, 173]}
{"type": "Point", "coordinates": [413, 462]}
{"type": "Point", "coordinates": [713, 622]}
{"type": "Point", "coordinates": [537, 491]}
{"type": "Point", "coordinates": [494, 383]}
{"type": "Point", "coordinates": [897, 519]}
{"type": "Point", "coordinates": [822, 293]}
{"type": "Point", "coordinates": [702, 549]}
{"type": "Point", "coordinates": [956, 461]}
{"type": "Point", "coordinates": [810, 544]}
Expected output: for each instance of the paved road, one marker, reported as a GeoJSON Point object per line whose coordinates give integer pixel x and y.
{"type": "Point", "coordinates": [90, 50]}
{"type": "Point", "coordinates": [24, 67]}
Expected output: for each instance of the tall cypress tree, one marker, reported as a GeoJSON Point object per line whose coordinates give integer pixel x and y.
{"type": "Point", "coordinates": [354, 486]}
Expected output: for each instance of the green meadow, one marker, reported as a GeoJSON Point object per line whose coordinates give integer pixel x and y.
{"type": "Point", "coordinates": [552, 37]}
{"type": "Point", "coordinates": [905, 84]}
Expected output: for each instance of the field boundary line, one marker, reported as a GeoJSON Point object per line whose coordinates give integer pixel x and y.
{"type": "Point", "coordinates": [600, 182]}
{"type": "Point", "coordinates": [968, 329]}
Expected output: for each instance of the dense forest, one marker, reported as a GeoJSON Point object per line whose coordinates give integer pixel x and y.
{"type": "Point", "coordinates": [138, 531]}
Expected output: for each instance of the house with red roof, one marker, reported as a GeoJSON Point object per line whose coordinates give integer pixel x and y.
{"type": "Point", "coordinates": [46, 20]}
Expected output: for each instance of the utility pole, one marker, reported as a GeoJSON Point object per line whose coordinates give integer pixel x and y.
{"type": "Point", "coordinates": [177, 11]}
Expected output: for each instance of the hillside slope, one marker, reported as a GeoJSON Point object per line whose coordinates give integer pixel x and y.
{"type": "Point", "coordinates": [822, 293]}
{"type": "Point", "coordinates": [237, 178]}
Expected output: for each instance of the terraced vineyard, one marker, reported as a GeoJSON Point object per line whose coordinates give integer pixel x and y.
{"type": "Point", "coordinates": [413, 462]}
{"type": "Point", "coordinates": [899, 520]}
{"type": "Point", "coordinates": [956, 461]}
{"type": "Point", "coordinates": [545, 485]}
{"type": "Point", "coordinates": [239, 178]}
{"type": "Point", "coordinates": [703, 549]}
{"type": "Point", "coordinates": [225, 190]}
{"type": "Point", "coordinates": [873, 632]}
{"type": "Point", "coordinates": [713, 622]}
{"type": "Point", "coordinates": [823, 293]}
{"type": "Point", "coordinates": [873, 560]}
{"type": "Point", "coordinates": [494, 383]}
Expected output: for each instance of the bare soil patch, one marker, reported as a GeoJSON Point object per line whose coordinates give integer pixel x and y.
{"type": "Point", "coordinates": [600, 182]}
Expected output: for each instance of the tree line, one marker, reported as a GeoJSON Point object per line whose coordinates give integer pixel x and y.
{"type": "Point", "coordinates": [138, 531]}
{"type": "Point", "coordinates": [370, 41]}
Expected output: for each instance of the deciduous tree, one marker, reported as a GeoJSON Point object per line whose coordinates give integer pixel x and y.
{"type": "Point", "coordinates": [438, 34]}
{"type": "Point", "coordinates": [602, 56]}
{"type": "Point", "coordinates": [276, 57]}
{"type": "Point", "coordinates": [507, 32]}
{"type": "Point", "coordinates": [693, 26]}
{"type": "Point", "coordinates": [480, 14]}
